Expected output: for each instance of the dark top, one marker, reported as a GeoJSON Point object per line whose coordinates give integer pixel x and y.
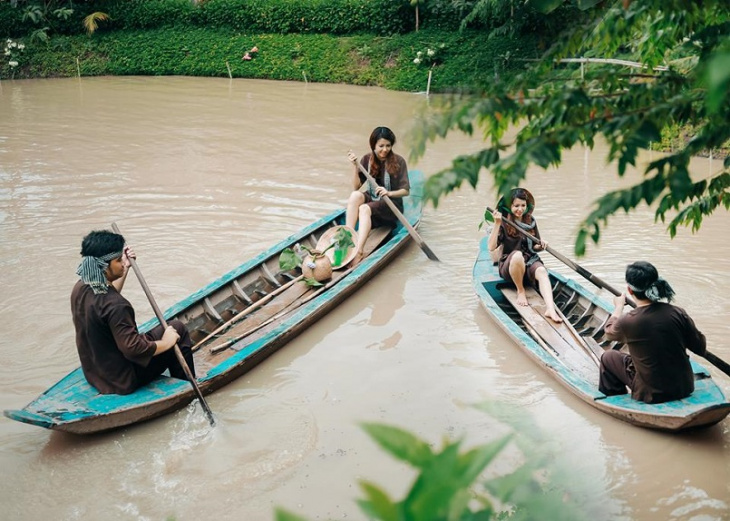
{"type": "Point", "coordinates": [398, 178]}
{"type": "Point", "coordinates": [518, 242]}
{"type": "Point", "coordinates": [107, 340]}
{"type": "Point", "coordinates": [657, 336]}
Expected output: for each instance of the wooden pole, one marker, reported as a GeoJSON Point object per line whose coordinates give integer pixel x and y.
{"type": "Point", "coordinates": [163, 322]}
{"type": "Point", "coordinates": [412, 231]}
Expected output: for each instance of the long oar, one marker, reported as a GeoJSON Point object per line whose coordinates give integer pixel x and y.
{"type": "Point", "coordinates": [393, 208]}
{"type": "Point", "coordinates": [243, 314]}
{"type": "Point", "coordinates": [718, 362]}
{"type": "Point", "coordinates": [163, 322]}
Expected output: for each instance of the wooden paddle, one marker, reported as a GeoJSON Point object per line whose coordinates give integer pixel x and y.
{"type": "Point", "coordinates": [163, 322]}
{"type": "Point", "coordinates": [715, 360]}
{"type": "Point", "coordinates": [393, 208]}
{"type": "Point", "coordinates": [243, 314]}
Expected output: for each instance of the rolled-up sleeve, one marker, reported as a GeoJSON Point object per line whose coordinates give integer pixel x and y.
{"type": "Point", "coordinates": [612, 329]}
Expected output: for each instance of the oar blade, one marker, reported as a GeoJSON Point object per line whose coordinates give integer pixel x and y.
{"type": "Point", "coordinates": [429, 253]}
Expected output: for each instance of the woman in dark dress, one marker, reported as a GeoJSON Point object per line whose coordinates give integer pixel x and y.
{"type": "Point", "coordinates": [519, 261]}
{"type": "Point", "coordinates": [365, 206]}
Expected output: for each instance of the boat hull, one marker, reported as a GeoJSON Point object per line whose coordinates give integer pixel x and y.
{"type": "Point", "coordinates": [577, 370]}
{"type": "Point", "coordinates": [72, 405]}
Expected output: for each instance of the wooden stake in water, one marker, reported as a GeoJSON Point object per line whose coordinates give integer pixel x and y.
{"type": "Point", "coordinates": [428, 85]}
{"type": "Point", "coordinates": [305, 77]}
{"type": "Point", "coordinates": [228, 66]}
{"type": "Point", "coordinates": [78, 67]}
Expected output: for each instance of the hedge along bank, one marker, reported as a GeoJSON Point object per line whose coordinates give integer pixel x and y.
{"type": "Point", "coordinates": [463, 61]}
{"type": "Point", "coordinates": [299, 40]}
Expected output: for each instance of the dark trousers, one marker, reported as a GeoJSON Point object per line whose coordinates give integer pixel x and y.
{"type": "Point", "coordinates": [616, 373]}
{"type": "Point", "coordinates": [168, 360]}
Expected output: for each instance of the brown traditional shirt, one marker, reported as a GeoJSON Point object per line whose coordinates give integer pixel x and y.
{"type": "Point", "coordinates": [657, 336]}
{"type": "Point", "coordinates": [107, 339]}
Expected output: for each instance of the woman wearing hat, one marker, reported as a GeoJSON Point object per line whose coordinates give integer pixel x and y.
{"type": "Point", "coordinates": [519, 261]}
{"type": "Point", "coordinates": [365, 205]}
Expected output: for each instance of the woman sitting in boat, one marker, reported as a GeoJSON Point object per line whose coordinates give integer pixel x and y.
{"type": "Point", "coordinates": [519, 261]}
{"type": "Point", "coordinates": [115, 357]}
{"type": "Point", "coordinates": [365, 205]}
{"type": "Point", "coordinates": [657, 367]}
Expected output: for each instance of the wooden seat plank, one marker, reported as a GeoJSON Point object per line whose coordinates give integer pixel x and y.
{"type": "Point", "coordinates": [556, 335]}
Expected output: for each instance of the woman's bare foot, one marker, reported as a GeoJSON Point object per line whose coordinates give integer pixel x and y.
{"type": "Point", "coordinates": [553, 315]}
{"type": "Point", "coordinates": [521, 298]}
{"type": "Point", "coordinates": [356, 259]}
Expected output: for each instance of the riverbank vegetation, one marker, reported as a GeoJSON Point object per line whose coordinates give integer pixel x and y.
{"type": "Point", "coordinates": [336, 41]}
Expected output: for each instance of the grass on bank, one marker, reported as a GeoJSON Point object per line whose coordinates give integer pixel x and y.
{"type": "Point", "coordinates": [460, 61]}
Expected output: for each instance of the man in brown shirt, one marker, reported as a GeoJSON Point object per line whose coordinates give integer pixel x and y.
{"type": "Point", "coordinates": [657, 367]}
{"type": "Point", "coordinates": [115, 357]}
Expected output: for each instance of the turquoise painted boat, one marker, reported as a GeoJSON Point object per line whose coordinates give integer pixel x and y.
{"type": "Point", "coordinates": [570, 351]}
{"type": "Point", "coordinates": [235, 321]}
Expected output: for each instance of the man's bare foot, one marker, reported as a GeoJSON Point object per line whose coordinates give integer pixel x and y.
{"type": "Point", "coordinates": [521, 298]}
{"type": "Point", "coordinates": [553, 315]}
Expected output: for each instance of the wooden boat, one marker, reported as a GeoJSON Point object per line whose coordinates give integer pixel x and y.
{"type": "Point", "coordinates": [570, 351]}
{"type": "Point", "coordinates": [258, 305]}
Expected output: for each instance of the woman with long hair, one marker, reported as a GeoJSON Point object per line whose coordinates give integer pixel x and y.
{"type": "Point", "coordinates": [519, 261]}
{"type": "Point", "coordinates": [365, 207]}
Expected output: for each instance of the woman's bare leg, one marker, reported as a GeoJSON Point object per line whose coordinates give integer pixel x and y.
{"type": "Point", "coordinates": [517, 273]}
{"type": "Point", "coordinates": [543, 280]}
{"type": "Point", "coordinates": [365, 224]}
{"type": "Point", "coordinates": [353, 203]}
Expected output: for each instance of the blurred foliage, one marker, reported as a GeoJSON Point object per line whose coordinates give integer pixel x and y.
{"type": "Point", "coordinates": [452, 484]}
{"type": "Point", "coordinates": [684, 48]}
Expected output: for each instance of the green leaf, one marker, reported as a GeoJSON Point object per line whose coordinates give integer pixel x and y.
{"type": "Point", "coordinates": [718, 80]}
{"type": "Point", "coordinates": [289, 260]}
{"type": "Point", "coordinates": [435, 487]}
{"type": "Point", "coordinates": [587, 4]}
{"type": "Point", "coordinates": [378, 504]}
{"type": "Point", "coordinates": [546, 6]}
{"type": "Point", "coordinates": [476, 460]}
{"type": "Point", "coordinates": [283, 515]}
{"type": "Point", "coordinates": [400, 443]}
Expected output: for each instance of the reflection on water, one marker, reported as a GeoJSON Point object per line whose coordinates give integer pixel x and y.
{"type": "Point", "coordinates": [201, 174]}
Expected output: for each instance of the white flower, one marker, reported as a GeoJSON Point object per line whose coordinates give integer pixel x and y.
{"type": "Point", "coordinates": [21, 46]}
{"type": "Point", "coordinates": [417, 61]}
{"type": "Point", "coordinates": [12, 44]}
{"type": "Point", "coordinates": [419, 53]}
{"type": "Point", "coordinates": [7, 52]}
{"type": "Point", "coordinates": [13, 63]}
{"type": "Point", "coordinates": [430, 52]}
{"type": "Point", "coordinates": [10, 41]}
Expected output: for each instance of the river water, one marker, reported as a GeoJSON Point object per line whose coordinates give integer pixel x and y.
{"type": "Point", "coordinates": [201, 174]}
